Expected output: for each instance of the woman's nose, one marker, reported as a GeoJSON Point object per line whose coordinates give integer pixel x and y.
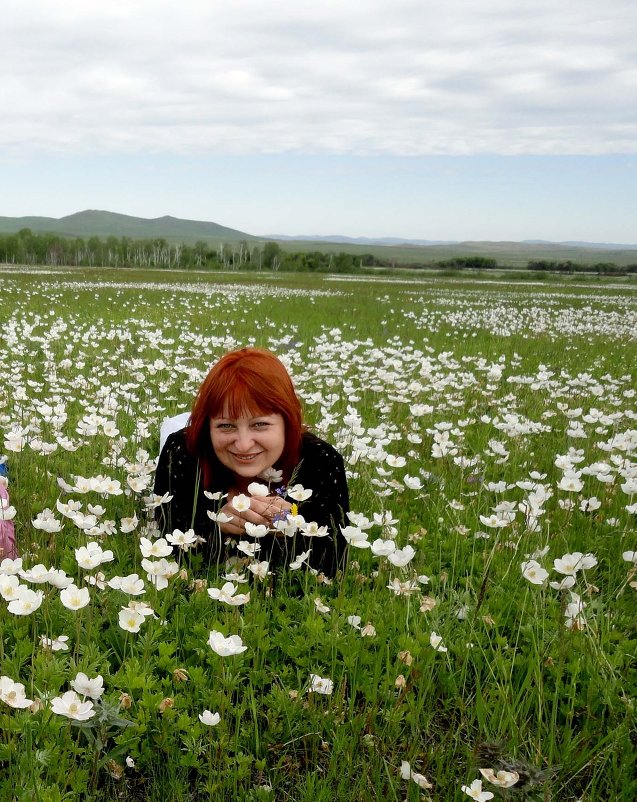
{"type": "Point", "coordinates": [244, 440]}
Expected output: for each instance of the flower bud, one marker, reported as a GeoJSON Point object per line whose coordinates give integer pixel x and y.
{"type": "Point", "coordinates": [166, 704]}
{"type": "Point", "coordinates": [125, 701]}
{"type": "Point", "coordinates": [400, 682]}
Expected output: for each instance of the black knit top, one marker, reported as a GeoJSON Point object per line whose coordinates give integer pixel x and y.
{"type": "Point", "coordinates": [320, 469]}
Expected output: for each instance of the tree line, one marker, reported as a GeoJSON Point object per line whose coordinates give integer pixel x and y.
{"type": "Point", "coordinates": [568, 266]}
{"type": "Point", "coordinates": [29, 248]}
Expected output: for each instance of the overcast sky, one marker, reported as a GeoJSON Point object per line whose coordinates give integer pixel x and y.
{"type": "Point", "coordinates": [468, 119]}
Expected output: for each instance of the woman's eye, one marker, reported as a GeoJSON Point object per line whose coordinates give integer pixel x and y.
{"type": "Point", "coordinates": [261, 424]}
{"type": "Point", "coordinates": [224, 427]}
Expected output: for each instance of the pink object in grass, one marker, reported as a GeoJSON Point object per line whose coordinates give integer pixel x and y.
{"type": "Point", "coordinates": [7, 530]}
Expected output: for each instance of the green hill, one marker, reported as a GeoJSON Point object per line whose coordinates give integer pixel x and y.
{"type": "Point", "coordinates": [93, 223]}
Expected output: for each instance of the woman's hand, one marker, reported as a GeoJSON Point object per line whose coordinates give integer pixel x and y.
{"type": "Point", "coordinates": [263, 510]}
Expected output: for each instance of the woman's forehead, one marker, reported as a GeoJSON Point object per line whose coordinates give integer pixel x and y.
{"type": "Point", "coordinates": [236, 412]}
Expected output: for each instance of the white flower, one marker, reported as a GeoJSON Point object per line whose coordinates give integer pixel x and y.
{"type": "Point", "coordinates": [354, 621]}
{"type": "Point", "coordinates": [59, 579]}
{"type": "Point", "coordinates": [321, 608]}
{"type": "Point", "coordinates": [9, 566]}
{"type": "Point", "coordinates": [131, 584]}
{"type": "Point", "coordinates": [38, 574]}
{"type": "Point", "coordinates": [219, 517]}
{"type": "Point", "coordinates": [503, 779]}
{"type": "Point", "coordinates": [228, 594]}
{"type": "Point", "coordinates": [401, 557]}
{"type": "Point", "coordinates": [155, 548]}
{"type": "Point", "coordinates": [382, 548]}
{"type": "Point", "coordinates": [494, 521]}
{"type": "Point", "coordinates": [570, 482]}
{"type": "Point", "coordinates": [312, 529]}
{"type": "Point", "coordinates": [130, 620]}
{"type": "Point", "coordinates": [403, 588]}
{"type": "Point", "coordinates": [74, 598]}
{"type": "Point", "coordinates": [298, 493]}
{"type": "Point", "coordinates": [256, 530]}
{"type": "Point", "coordinates": [368, 631]}
{"type": "Point", "coordinates": [58, 644]}
{"type": "Point", "coordinates": [436, 642]}
{"type": "Point", "coordinates": [214, 496]}
{"type": "Point", "coordinates": [184, 540]}
{"type": "Point", "coordinates": [271, 475]}
{"type": "Point", "coordinates": [225, 647]}
{"type": "Point", "coordinates": [534, 572]}
{"type": "Point", "coordinates": [563, 584]}
{"type": "Point", "coordinates": [250, 549]}
{"type": "Point", "coordinates": [233, 576]}
{"type": "Point", "coordinates": [160, 571]}
{"type": "Point", "coordinates": [355, 537]}
{"type": "Point", "coordinates": [92, 555]}
{"type": "Point", "coordinates": [630, 557]}
{"type": "Point", "coordinates": [154, 500]}
{"type": "Point", "coordinates": [572, 563]}
{"type": "Point", "coordinates": [474, 791]}
{"type": "Point", "coordinates": [407, 774]}
{"type": "Point", "coordinates": [71, 706]}
{"type": "Point", "coordinates": [259, 569]}
{"type": "Point", "coordinates": [209, 719]}
{"type": "Point", "coordinates": [7, 512]}
{"type": "Point", "coordinates": [241, 502]}
{"type": "Point", "coordinates": [258, 490]}
{"type": "Point", "coordinates": [13, 693]}
{"type": "Point", "coordinates": [47, 522]}
{"type": "Point", "coordinates": [26, 602]}
{"type": "Point", "coordinates": [299, 560]}
{"type": "Point", "coordinates": [128, 524]}
{"type": "Point", "coordinates": [320, 685]}
{"type": "Point", "coordinates": [9, 586]}
{"type": "Point", "coordinates": [412, 482]}
{"type": "Point", "coordinates": [88, 687]}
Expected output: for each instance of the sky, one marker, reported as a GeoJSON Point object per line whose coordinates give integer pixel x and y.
{"type": "Point", "coordinates": [462, 120]}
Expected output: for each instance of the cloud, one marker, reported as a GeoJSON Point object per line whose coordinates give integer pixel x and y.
{"type": "Point", "coordinates": [353, 77]}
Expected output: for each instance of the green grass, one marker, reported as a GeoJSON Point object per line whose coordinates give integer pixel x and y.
{"type": "Point", "coordinates": [557, 701]}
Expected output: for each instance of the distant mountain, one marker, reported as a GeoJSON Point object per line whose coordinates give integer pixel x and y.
{"type": "Point", "coordinates": [339, 238]}
{"type": "Point", "coordinates": [93, 223]}
{"type": "Point", "coordinates": [424, 243]}
{"type": "Point", "coordinates": [606, 246]}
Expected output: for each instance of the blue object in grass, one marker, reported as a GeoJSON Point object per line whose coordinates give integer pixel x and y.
{"type": "Point", "coordinates": [4, 469]}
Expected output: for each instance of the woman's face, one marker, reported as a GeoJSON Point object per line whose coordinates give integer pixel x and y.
{"type": "Point", "coordinates": [249, 444]}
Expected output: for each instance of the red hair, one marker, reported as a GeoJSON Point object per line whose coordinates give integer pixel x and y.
{"type": "Point", "coordinates": [250, 381]}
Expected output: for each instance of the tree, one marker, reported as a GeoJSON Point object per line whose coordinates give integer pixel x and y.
{"type": "Point", "coordinates": [272, 256]}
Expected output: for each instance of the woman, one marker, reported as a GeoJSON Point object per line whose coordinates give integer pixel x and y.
{"type": "Point", "coordinates": [246, 427]}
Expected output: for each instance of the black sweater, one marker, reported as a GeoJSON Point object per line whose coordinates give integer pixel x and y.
{"type": "Point", "coordinates": [320, 469]}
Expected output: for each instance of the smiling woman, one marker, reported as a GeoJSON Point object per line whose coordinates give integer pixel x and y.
{"type": "Point", "coordinates": [243, 449]}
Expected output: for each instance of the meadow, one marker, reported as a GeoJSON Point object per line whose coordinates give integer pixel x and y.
{"type": "Point", "coordinates": [486, 616]}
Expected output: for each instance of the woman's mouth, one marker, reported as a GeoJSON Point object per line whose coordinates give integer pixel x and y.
{"type": "Point", "coordinates": [245, 457]}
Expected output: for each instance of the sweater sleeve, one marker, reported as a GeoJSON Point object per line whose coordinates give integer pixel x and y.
{"type": "Point", "coordinates": [322, 470]}
{"type": "Point", "coordinates": [178, 475]}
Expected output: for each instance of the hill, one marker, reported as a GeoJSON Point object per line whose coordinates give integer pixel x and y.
{"type": "Point", "coordinates": [94, 223]}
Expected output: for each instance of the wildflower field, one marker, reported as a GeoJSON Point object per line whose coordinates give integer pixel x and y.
{"type": "Point", "coordinates": [481, 642]}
